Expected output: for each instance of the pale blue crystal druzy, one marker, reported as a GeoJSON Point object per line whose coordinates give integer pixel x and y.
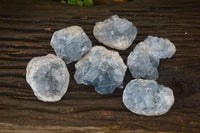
{"type": "Point", "coordinates": [48, 77]}
{"type": "Point", "coordinates": [102, 68]}
{"type": "Point", "coordinates": [144, 59]}
{"type": "Point", "coordinates": [115, 32]}
{"type": "Point", "coordinates": [147, 97]}
{"type": "Point", "coordinates": [70, 43]}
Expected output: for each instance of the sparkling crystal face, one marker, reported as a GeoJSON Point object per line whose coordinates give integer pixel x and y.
{"type": "Point", "coordinates": [115, 32]}
{"type": "Point", "coordinates": [48, 77]}
{"type": "Point", "coordinates": [70, 43]}
{"type": "Point", "coordinates": [102, 68]}
{"type": "Point", "coordinates": [146, 97]}
{"type": "Point", "coordinates": [144, 59]}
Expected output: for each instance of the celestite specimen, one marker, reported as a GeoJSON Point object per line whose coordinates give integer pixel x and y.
{"type": "Point", "coordinates": [159, 47]}
{"type": "Point", "coordinates": [147, 97]}
{"type": "Point", "coordinates": [70, 43]}
{"type": "Point", "coordinates": [48, 77]}
{"type": "Point", "coordinates": [144, 59]}
{"type": "Point", "coordinates": [115, 32]}
{"type": "Point", "coordinates": [102, 68]}
{"type": "Point", "coordinates": [141, 64]}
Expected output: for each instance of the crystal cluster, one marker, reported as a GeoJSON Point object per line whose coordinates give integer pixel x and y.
{"type": "Point", "coordinates": [147, 97]}
{"type": "Point", "coordinates": [144, 59]}
{"type": "Point", "coordinates": [115, 32]}
{"type": "Point", "coordinates": [102, 68]}
{"type": "Point", "coordinates": [70, 43]}
{"type": "Point", "coordinates": [48, 76]}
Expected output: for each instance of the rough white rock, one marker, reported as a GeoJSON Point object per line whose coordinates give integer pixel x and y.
{"type": "Point", "coordinates": [147, 97]}
{"type": "Point", "coordinates": [102, 68]}
{"type": "Point", "coordinates": [70, 43]}
{"type": "Point", "coordinates": [48, 77]}
{"type": "Point", "coordinates": [115, 32]}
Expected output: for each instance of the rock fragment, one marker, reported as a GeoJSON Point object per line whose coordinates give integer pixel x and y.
{"type": "Point", "coordinates": [147, 97]}
{"type": "Point", "coordinates": [102, 68]}
{"type": "Point", "coordinates": [144, 59]}
{"type": "Point", "coordinates": [115, 32]}
{"type": "Point", "coordinates": [48, 77]}
{"type": "Point", "coordinates": [70, 43]}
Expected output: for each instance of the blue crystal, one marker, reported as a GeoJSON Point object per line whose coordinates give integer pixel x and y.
{"type": "Point", "coordinates": [48, 77]}
{"type": "Point", "coordinates": [147, 97]}
{"type": "Point", "coordinates": [115, 32]}
{"type": "Point", "coordinates": [141, 64]}
{"type": "Point", "coordinates": [70, 43]}
{"type": "Point", "coordinates": [144, 59]}
{"type": "Point", "coordinates": [102, 68]}
{"type": "Point", "coordinates": [160, 48]}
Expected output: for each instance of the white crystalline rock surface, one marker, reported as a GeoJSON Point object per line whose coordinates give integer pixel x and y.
{"type": "Point", "coordinates": [147, 97]}
{"type": "Point", "coordinates": [48, 77]}
{"type": "Point", "coordinates": [115, 32]}
{"type": "Point", "coordinates": [144, 59]}
{"type": "Point", "coordinates": [70, 43]}
{"type": "Point", "coordinates": [102, 68]}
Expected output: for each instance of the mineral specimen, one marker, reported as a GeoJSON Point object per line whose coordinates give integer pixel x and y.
{"type": "Point", "coordinates": [159, 47]}
{"type": "Point", "coordinates": [144, 59]}
{"type": "Point", "coordinates": [102, 68]}
{"type": "Point", "coordinates": [146, 97]}
{"type": "Point", "coordinates": [48, 77]}
{"type": "Point", "coordinates": [115, 32]}
{"type": "Point", "coordinates": [70, 43]}
{"type": "Point", "coordinates": [141, 64]}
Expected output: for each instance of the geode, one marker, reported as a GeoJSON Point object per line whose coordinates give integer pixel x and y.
{"type": "Point", "coordinates": [144, 59]}
{"type": "Point", "coordinates": [147, 97]}
{"type": "Point", "coordinates": [70, 43]}
{"type": "Point", "coordinates": [102, 68]}
{"type": "Point", "coordinates": [115, 32]}
{"type": "Point", "coordinates": [48, 77]}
